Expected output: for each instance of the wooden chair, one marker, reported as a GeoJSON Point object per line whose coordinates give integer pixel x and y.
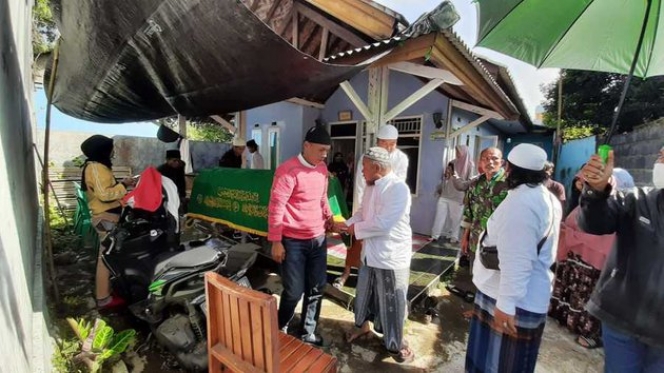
{"type": "Point", "coordinates": [243, 334]}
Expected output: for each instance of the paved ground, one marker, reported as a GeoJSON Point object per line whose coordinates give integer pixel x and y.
{"type": "Point", "coordinates": [440, 346]}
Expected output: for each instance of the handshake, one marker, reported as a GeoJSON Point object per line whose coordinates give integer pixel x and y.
{"type": "Point", "coordinates": [339, 227]}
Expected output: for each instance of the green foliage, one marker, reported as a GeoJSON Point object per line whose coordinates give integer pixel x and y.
{"type": "Point", "coordinates": [57, 219]}
{"type": "Point", "coordinates": [95, 343]}
{"type": "Point", "coordinates": [201, 129]}
{"type": "Point", "coordinates": [208, 132]}
{"type": "Point", "coordinates": [44, 30]}
{"type": "Point", "coordinates": [589, 100]}
{"type": "Point", "coordinates": [78, 161]}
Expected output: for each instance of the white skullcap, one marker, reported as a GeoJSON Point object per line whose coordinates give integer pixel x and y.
{"type": "Point", "coordinates": [238, 141]}
{"type": "Point", "coordinates": [528, 156]}
{"type": "Point", "coordinates": [378, 154]}
{"type": "Point", "coordinates": [387, 132]}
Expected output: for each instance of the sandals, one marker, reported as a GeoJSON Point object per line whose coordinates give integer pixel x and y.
{"type": "Point", "coordinates": [353, 336]}
{"type": "Point", "coordinates": [338, 283]}
{"type": "Point", "coordinates": [405, 355]}
{"type": "Point", "coordinates": [468, 296]}
{"type": "Point", "coordinates": [588, 343]}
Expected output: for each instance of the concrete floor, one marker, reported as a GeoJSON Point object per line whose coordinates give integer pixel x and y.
{"type": "Point", "coordinates": [440, 346]}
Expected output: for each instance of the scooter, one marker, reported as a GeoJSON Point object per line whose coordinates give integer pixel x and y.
{"type": "Point", "coordinates": [163, 280]}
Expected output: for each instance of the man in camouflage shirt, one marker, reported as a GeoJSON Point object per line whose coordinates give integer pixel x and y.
{"type": "Point", "coordinates": [485, 193]}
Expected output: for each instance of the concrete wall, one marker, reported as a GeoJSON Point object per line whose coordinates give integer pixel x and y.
{"type": "Point", "coordinates": [637, 151]}
{"type": "Point", "coordinates": [23, 341]}
{"type": "Point", "coordinates": [135, 152]}
{"type": "Point", "coordinates": [573, 155]}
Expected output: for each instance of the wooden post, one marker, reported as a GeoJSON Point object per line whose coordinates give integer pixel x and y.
{"type": "Point", "coordinates": [182, 125]}
{"type": "Point", "coordinates": [378, 89]}
{"type": "Point", "coordinates": [322, 51]}
{"type": "Point", "coordinates": [296, 31]}
{"type": "Point", "coordinates": [48, 239]}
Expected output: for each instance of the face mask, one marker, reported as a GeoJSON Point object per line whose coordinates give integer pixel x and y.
{"type": "Point", "coordinates": [658, 175]}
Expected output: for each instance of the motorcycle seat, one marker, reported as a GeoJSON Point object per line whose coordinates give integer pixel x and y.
{"type": "Point", "coordinates": [198, 257]}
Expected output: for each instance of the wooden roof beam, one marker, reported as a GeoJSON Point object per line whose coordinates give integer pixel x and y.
{"type": "Point", "coordinates": [476, 109]}
{"type": "Point", "coordinates": [322, 50]}
{"type": "Point", "coordinates": [425, 72]}
{"type": "Point", "coordinates": [273, 9]}
{"type": "Point", "coordinates": [360, 15]}
{"type": "Point", "coordinates": [333, 27]}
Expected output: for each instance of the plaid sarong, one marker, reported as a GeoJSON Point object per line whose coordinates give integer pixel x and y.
{"type": "Point", "coordinates": [381, 298]}
{"type": "Point", "coordinates": [491, 351]}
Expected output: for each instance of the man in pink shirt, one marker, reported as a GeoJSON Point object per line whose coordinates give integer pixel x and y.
{"type": "Point", "coordinates": [298, 216]}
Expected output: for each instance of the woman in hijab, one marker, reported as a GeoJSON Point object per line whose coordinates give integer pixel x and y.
{"type": "Point", "coordinates": [449, 209]}
{"type": "Point", "coordinates": [463, 168]}
{"type": "Point", "coordinates": [104, 194]}
{"type": "Point", "coordinates": [581, 257]}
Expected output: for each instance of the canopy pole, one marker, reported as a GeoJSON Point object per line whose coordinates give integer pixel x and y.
{"type": "Point", "coordinates": [616, 114]}
{"type": "Point", "coordinates": [48, 238]}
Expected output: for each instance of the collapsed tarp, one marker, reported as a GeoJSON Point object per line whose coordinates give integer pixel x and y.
{"type": "Point", "coordinates": [239, 198]}
{"type": "Point", "coordinates": [128, 60]}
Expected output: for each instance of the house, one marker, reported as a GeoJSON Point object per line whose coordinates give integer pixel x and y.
{"type": "Point", "coordinates": [427, 83]}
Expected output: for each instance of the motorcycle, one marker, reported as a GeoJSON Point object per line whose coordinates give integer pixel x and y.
{"type": "Point", "coordinates": [163, 280]}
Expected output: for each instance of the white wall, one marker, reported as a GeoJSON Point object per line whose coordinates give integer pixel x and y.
{"type": "Point", "coordinates": [22, 327]}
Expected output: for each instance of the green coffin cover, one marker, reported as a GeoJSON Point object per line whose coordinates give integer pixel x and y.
{"type": "Point", "coordinates": [239, 198]}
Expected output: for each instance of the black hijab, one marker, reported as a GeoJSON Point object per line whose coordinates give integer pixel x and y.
{"type": "Point", "coordinates": [96, 148]}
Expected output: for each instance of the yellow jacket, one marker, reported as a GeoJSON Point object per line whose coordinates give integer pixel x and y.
{"type": "Point", "coordinates": [104, 193]}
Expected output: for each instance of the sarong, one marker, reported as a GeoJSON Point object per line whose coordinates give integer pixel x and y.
{"type": "Point", "coordinates": [381, 299]}
{"type": "Point", "coordinates": [490, 351]}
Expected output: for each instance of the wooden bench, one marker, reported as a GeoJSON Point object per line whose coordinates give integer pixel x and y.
{"type": "Point", "coordinates": [243, 335]}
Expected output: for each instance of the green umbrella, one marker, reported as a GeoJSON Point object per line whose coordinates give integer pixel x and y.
{"type": "Point", "coordinates": [618, 36]}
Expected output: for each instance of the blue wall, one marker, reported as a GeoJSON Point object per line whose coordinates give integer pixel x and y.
{"type": "Point", "coordinates": [431, 153]}
{"type": "Point", "coordinates": [292, 120]}
{"type": "Point", "coordinates": [572, 155]}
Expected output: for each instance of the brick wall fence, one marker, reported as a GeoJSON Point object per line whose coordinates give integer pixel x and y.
{"type": "Point", "coordinates": [636, 151]}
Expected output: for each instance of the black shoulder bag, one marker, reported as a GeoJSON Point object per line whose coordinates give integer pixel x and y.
{"type": "Point", "coordinates": [489, 254]}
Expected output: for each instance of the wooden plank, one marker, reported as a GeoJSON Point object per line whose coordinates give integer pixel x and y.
{"type": "Point", "coordinates": [228, 328]}
{"type": "Point", "coordinates": [425, 72]}
{"type": "Point", "coordinates": [271, 333]}
{"type": "Point", "coordinates": [307, 361]}
{"type": "Point", "coordinates": [273, 9]}
{"type": "Point", "coordinates": [257, 335]}
{"type": "Point", "coordinates": [303, 102]}
{"type": "Point", "coordinates": [301, 350]}
{"type": "Point", "coordinates": [236, 328]}
{"type": "Point", "coordinates": [285, 24]}
{"type": "Point", "coordinates": [332, 27]}
{"type": "Point", "coordinates": [322, 51]}
{"type": "Point", "coordinates": [246, 334]}
{"type": "Point", "coordinates": [476, 109]}
{"type": "Point", "coordinates": [231, 361]}
{"type": "Point", "coordinates": [325, 363]}
{"type": "Point", "coordinates": [412, 99]}
{"type": "Point", "coordinates": [360, 15]}
{"type": "Point", "coordinates": [296, 29]}
{"type": "Point", "coordinates": [356, 100]}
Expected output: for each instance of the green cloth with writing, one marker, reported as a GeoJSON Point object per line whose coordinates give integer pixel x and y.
{"type": "Point", "coordinates": [481, 200]}
{"type": "Point", "coordinates": [239, 198]}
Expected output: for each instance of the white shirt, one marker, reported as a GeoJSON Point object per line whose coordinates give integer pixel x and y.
{"type": "Point", "coordinates": [383, 222]}
{"type": "Point", "coordinates": [257, 161]}
{"type": "Point", "coordinates": [515, 228]}
{"type": "Point", "coordinates": [399, 162]}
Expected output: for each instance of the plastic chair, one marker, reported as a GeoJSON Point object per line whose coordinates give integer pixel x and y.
{"type": "Point", "coordinates": [83, 219]}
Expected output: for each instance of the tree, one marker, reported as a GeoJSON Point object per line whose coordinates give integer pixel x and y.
{"type": "Point", "coordinates": [589, 100]}
{"type": "Point", "coordinates": [201, 129]}
{"type": "Point", "coordinates": [44, 32]}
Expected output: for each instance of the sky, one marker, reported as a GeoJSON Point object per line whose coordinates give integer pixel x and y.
{"type": "Point", "coordinates": [527, 78]}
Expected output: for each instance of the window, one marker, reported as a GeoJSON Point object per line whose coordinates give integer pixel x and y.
{"type": "Point", "coordinates": [410, 142]}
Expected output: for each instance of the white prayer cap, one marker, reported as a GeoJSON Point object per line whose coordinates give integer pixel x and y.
{"type": "Point", "coordinates": [239, 141]}
{"type": "Point", "coordinates": [528, 156]}
{"type": "Point", "coordinates": [387, 132]}
{"type": "Point", "coordinates": [378, 154]}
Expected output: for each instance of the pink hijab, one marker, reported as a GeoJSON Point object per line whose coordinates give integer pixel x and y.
{"type": "Point", "coordinates": [463, 165]}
